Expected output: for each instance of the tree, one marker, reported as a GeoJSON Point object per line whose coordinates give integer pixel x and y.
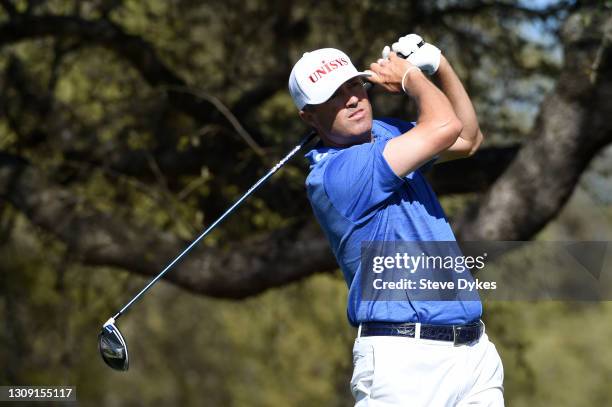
{"type": "Point", "coordinates": [126, 127]}
{"type": "Point", "coordinates": [67, 136]}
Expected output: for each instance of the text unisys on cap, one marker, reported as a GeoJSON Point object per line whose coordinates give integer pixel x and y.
{"type": "Point", "coordinates": [317, 75]}
{"type": "Point", "coordinates": [327, 67]}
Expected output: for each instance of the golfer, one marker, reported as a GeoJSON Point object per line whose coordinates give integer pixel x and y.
{"type": "Point", "coordinates": [366, 184]}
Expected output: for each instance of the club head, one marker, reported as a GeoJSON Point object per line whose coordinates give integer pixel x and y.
{"type": "Point", "coordinates": [112, 346]}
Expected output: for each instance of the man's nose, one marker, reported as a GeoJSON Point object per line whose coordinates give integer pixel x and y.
{"type": "Point", "coordinates": [352, 101]}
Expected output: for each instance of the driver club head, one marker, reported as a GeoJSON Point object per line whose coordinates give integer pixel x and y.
{"type": "Point", "coordinates": [112, 346]}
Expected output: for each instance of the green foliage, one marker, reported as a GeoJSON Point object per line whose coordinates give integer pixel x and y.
{"type": "Point", "coordinates": [289, 346]}
{"type": "Point", "coordinates": [89, 120]}
{"type": "Point", "coordinates": [286, 347]}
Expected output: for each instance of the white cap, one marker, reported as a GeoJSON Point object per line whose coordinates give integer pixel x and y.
{"type": "Point", "coordinates": [317, 75]}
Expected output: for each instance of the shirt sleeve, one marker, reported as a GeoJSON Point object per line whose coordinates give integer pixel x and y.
{"type": "Point", "coordinates": [358, 179]}
{"type": "Point", "coordinates": [402, 127]}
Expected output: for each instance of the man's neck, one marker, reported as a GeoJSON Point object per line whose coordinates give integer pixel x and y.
{"type": "Point", "coordinates": [358, 140]}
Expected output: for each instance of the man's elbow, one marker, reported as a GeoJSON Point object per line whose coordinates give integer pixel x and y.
{"type": "Point", "coordinates": [448, 132]}
{"type": "Point", "coordinates": [476, 143]}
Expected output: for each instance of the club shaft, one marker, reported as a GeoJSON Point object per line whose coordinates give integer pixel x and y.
{"type": "Point", "coordinates": [263, 179]}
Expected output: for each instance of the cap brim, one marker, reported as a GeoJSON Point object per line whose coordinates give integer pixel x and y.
{"type": "Point", "coordinates": [324, 98]}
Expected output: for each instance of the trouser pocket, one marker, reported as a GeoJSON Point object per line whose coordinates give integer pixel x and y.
{"type": "Point", "coordinates": [363, 370]}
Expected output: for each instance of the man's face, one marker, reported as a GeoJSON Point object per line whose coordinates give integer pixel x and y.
{"type": "Point", "coordinates": [345, 118]}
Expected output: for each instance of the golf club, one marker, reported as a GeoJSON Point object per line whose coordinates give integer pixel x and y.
{"type": "Point", "coordinates": [111, 344]}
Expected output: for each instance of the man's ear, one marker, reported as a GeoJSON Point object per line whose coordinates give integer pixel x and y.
{"type": "Point", "coordinates": [307, 117]}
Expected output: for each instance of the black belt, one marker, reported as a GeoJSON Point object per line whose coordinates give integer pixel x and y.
{"type": "Point", "coordinates": [458, 334]}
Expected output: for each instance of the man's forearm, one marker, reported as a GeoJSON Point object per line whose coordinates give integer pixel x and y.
{"type": "Point", "coordinates": [451, 85]}
{"type": "Point", "coordinates": [433, 105]}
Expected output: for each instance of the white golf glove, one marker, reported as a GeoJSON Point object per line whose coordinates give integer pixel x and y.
{"type": "Point", "coordinates": [417, 52]}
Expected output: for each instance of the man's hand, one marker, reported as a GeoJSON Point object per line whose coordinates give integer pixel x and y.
{"type": "Point", "coordinates": [418, 52]}
{"type": "Point", "coordinates": [389, 72]}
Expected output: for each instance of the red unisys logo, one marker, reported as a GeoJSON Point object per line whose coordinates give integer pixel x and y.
{"type": "Point", "coordinates": [326, 68]}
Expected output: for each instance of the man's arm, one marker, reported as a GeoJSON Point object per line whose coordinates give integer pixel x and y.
{"type": "Point", "coordinates": [437, 127]}
{"type": "Point", "coordinates": [471, 137]}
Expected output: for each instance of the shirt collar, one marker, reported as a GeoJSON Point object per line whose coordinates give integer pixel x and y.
{"type": "Point", "coordinates": [320, 151]}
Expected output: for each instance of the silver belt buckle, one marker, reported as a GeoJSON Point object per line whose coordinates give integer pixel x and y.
{"type": "Point", "coordinates": [406, 330]}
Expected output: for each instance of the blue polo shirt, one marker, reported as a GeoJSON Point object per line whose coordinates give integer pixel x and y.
{"type": "Point", "coordinates": [356, 197]}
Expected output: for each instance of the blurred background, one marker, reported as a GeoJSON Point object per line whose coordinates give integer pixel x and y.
{"type": "Point", "coordinates": [127, 127]}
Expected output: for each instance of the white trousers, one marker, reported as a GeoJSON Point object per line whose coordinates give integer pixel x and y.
{"type": "Point", "coordinates": [407, 372]}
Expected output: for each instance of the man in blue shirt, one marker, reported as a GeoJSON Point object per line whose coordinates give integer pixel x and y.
{"type": "Point", "coordinates": [366, 185]}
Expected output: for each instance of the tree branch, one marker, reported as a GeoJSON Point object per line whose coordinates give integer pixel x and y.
{"type": "Point", "coordinates": [478, 7]}
{"type": "Point", "coordinates": [475, 174]}
{"type": "Point", "coordinates": [572, 126]}
{"type": "Point", "coordinates": [139, 53]}
{"type": "Point", "coordinates": [96, 238]}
